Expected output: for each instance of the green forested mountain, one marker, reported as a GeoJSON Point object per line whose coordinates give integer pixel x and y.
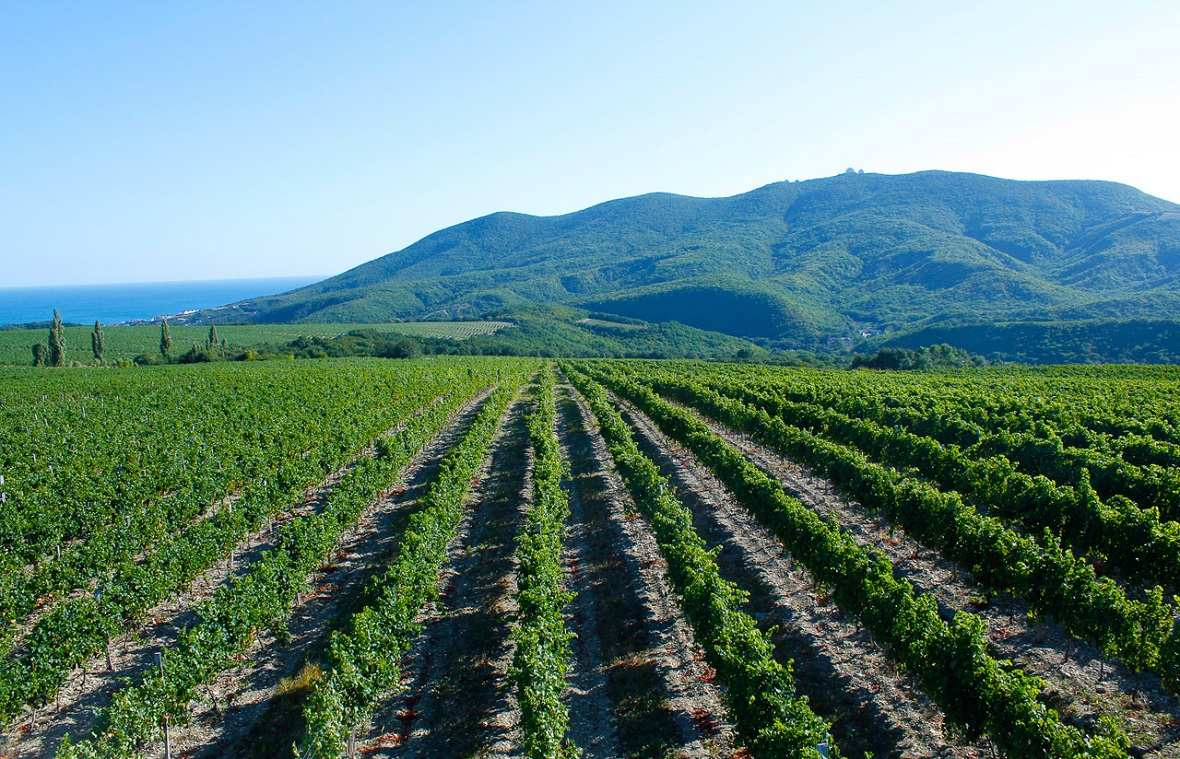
{"type": "Point", "coordinates": [807, 264]}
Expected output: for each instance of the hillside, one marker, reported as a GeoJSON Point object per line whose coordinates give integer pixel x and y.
{"type": "Point", "coordinates": [794, 264]}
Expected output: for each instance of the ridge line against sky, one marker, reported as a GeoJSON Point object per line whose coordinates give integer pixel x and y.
{"type": "Point", "coordinates": [171, 142]}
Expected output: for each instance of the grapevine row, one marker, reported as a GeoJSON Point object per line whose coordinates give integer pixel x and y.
{"type": "Point", "coordinates": [1016, 400]}
{"type": "Point", "coordinates": [949, 659]}
{"type": "Point", "coordinates": [81, 627]}
{"type": "Point", "coordinates": [171, 447]}
{"type": "Point", "coordinates": [363, 663]}
{"type": "Point", "coordinates": [1132, 539]}
{"type": "Point", "coordinates": [1051, 579]}
{"type": "Point", "coordinates": [770, 717]}
{"type": "Point", "coordinates": [322, 435]}
{"type": "Point", "coordinates": [1038, 451]}
{"type": "Point", "coordinates": [541, 659]}
{"type": "Point", "coordinates": [260, 599]}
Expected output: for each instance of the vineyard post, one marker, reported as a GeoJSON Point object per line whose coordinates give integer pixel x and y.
{"type": "Point", "coordinates": [352, 744]}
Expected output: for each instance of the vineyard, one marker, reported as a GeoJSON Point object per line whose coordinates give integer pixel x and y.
{"type": "Point", "coordinates": [485, 557]}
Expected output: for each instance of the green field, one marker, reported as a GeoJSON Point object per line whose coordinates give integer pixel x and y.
{"type": "Point", "coordinates": [128, 342]}
{"type": "Point", "coordinates": [963, 533]}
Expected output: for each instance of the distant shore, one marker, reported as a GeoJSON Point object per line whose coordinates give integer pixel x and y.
{"type": "Point", "coordinates": [133, 302]}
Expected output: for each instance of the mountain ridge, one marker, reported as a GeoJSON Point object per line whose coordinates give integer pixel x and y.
{"type": "Point", "coordinates": [792, 263]}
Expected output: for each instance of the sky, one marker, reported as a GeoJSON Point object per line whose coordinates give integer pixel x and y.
{"type": "Point", "coordinates": [202, 140]}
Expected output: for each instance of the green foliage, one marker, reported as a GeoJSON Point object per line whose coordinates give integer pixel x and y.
{"type": "Point", "coordinates": [1155, 341]}
{"type": "Point", "coordinates": [263, 434]}
{"type": "Point", "coordinates": [1125, 536]}
{"type": "Point", "coordinates": [542, 655]}
{"type": "Point", "coordinates": [539, 332]}
{"type": "Point", "coordinates": [97, 342]}
{"type": "Point", "coordinates": [1052, 580]}
{"type": "Point", "coordinates": [771, 719]}
{"type": "Point", "coordinates": [40, 354]}
{"type": "Point", "coordinates": [262, 598]}
{"type": "Point", "coordinates": [949, 659]}
{"type": "Point", "coordinates": [940, 356]}
{"type": "Point", "coordinates": [212, 341]}
{"type": "Point", "coordinates": [125, 342]}
{"type": "Point", "coordinates": [364, 661]}
{"type": "Point", "coordinates": [57, 342]}
{"type": "Point", "coordinates": [165, 339]}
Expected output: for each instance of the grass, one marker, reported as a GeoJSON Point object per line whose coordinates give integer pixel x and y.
{"type": "Point", "coordinates": [302, 681]}
{"type": "Point", "coordinates": [126, 342]}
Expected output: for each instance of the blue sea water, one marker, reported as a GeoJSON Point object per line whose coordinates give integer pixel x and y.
{"type": "Point", "coordinates": [112, 304]}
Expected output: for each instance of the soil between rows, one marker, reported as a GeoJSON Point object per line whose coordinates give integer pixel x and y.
{"type": "Point", "coordinates": [245, 715]}
{"type": "Point", "coordinates": [630, 630]}
{"type": "Point", "coordinates": [457, 699]}
{"type": "Point", "coordinates": [843, 671]}
{"type": "Point", "coordinates": [90, 687]}
{"type": "Point", "coordinates": [1079, 683]}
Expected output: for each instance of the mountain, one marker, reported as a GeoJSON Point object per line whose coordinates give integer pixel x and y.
{"type": "Point", "coordinates": [793, 264]}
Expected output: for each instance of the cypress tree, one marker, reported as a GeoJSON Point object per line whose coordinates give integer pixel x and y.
{"type": "Point", "coordinates": [57, 341]}
{"type": "Point", "coordinates": [98, 342]}
{"type": "Point", "coordinates": [165, 339]}
{"type": "Point", "coordinates": [38, 354]}
{"type": "Point", "coordinates": [213, 339]}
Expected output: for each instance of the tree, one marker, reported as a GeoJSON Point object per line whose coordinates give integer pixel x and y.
{"type": "Point", "coordinates": [165, 339]}
{"type": "Point", "coordinates": [98, 342]}
{"type": "Point", "coordinates": [213, 339]}
{"type": "Point", "coordinates": [57, 341]}
{"type": "Point", "coordinates": [39, 354]}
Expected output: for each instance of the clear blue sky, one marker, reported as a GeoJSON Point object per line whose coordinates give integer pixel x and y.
{"type": "Point", "coordinates": [197, 140]}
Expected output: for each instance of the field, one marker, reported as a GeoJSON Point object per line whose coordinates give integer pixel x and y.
{"type": "Point", "coordinates": [130, 341]}
{"type": "Point", "coordinates": [478, 557]}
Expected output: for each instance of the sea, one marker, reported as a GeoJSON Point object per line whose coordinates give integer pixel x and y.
{"type": "Point", "coordinates": [112, 304]}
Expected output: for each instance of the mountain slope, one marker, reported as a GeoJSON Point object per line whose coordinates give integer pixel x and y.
{"type": "Point", "coordinates": [793, 263]}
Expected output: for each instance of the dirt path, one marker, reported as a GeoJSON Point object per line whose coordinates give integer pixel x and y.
{"type": "Point", "coordinates": [458, 700]}
{"type": "Point", "coordinates": [640, 686]}
{"type": "Point", "coordinates": [838, 665]}
{"type": "Point", "coordinates": [1079, 684]}
{"type": "Point", "coordinates": [91, 686]}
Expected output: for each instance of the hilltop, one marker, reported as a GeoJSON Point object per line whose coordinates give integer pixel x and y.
{"type": "Point", "coordinates": [814, 264]}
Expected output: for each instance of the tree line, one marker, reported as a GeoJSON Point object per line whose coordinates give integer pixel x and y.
{"type": "Point", "coordinates": [53, 352]}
